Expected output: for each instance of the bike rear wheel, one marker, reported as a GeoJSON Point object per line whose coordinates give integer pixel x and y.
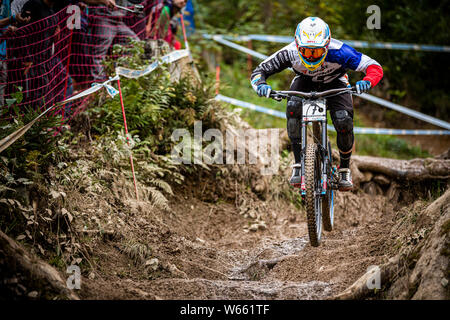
{"type": "Point", "coordinates": [313, 199]}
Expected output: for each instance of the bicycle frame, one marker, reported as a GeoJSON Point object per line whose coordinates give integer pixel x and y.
{"type": "Point", "coordinates": [322, 149]}
{"type": "Point", "coordinates": [318, 179]}
{"type": "Point", "coordinates": [310, 98]}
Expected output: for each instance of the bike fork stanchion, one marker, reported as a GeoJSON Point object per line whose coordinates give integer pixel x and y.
{"type": "Point", "coordinates": [303, 153]}
{"type": "Point", "coordinates": [324, 151]}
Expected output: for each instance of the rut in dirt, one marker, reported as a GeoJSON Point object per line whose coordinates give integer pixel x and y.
{"type": "Point", "coordinates": [220, 259]}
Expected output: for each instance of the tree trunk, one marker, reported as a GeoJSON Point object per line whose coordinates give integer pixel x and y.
{"type": "Point", "coordinates": [415, 169]}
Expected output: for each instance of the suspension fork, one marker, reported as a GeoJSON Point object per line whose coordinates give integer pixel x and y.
{"type": "Point", "coordinates": [325, 157]}
{"type": "Point", "coordinates": [304, 136]}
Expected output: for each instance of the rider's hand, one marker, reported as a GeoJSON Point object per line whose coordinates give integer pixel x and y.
{"type": "Point", "coordinates": [263, 90]}
{"type": "Point", "coordinates": [22, 20]}
{"type": "Point", "coordinates": [363, 86]}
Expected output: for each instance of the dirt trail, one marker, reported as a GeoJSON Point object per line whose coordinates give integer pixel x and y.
{"type": "Point", "coordinates": [206, 251]}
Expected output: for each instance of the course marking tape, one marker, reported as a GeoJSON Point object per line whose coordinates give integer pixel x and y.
{"type": "Point", "coordinates": [356, 130]}
{"type": "Point", "coordinates": [129, 73]}
{"type": "Point", "coordinates": [385, 103]}
{"type": "Point", "coordinates": [353, 43]}
{"type": "Point", "coordinates": [409, 112]}
{"type": "Point", "coordinates": [169, 58]}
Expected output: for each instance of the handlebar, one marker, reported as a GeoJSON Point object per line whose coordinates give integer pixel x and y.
{"type": "Point", "coordinates": [278, 95]}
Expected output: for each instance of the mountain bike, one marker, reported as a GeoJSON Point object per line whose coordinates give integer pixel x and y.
{"type": "Point", "coordinates": [319, 177]}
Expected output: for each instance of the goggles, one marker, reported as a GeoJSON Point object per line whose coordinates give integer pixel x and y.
{"type": "Point", "coordinates": [311, 54]}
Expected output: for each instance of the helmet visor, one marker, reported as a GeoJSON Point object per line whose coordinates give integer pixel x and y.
{"type": "Point", "coordinates": [312, 54]}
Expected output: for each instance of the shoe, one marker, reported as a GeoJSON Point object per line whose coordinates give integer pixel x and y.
{"type": "Point", "coordinates": [296, 178]}
{"type": "Point", "coordinates": [345, 179]}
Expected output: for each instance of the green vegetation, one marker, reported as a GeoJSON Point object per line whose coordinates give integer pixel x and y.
{"type": "Point", "coordinates": [31, 154]}
{"type": "Point", "coordinates": [388, 147]}
{"type": "Point", "coordinates": [415, 78]}
{"type": "Point", "coordinates": [44, 174]}
{"type": "Point", "coordinates": [235, 83]}
{"type": "Point", "coordinates": [402, 21]}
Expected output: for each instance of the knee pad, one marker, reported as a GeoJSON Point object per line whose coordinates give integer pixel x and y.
{"type": "Point", "coordinates": [293, 129]}
{"type": "Point", "coordinates": [345, 141]}
{"type": "Point", "coordinates": [294, 108]}
{"type": "Point", "coordinates": [293, 115]}
{"type": "Point", "coordinates": [343, 122]}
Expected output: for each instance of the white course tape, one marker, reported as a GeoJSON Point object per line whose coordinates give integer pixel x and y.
{"type": "Point", "coordinates": [251, 106]}
{"type": "Point", "coordinates": [409, 112]}
{"type": "Point", "coordinates": [356, 130]}
{"type": "Point", "coordinates": [10, 139]}
{"type": "Point", "coordinates": [129, 73]}
{"type": "Point", "coordinates": [385, 103]}
{"type": "Point", "coordinates": [169, 58]}
{"type": "Point", "coordinates": [220, 39]}
{"type": "Point", "coordinates": [353, 43]}
{"type": "Point", "coordinates": [94, 88]}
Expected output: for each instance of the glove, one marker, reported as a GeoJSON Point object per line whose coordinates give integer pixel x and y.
{"type": "Point", "coordinates": [263, 90]}
{"type": "Point", "coordinates": [363, 86]}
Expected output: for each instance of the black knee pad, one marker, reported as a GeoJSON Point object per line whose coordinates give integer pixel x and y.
{"type": "Point", "coordinates": [293, 129]}
{"type": "Point", "coordinates": [293, 115]}
{"type": "Point", "coordinates": [294, 108]}
{"type": "Point", "coordinates": [343, 123]}
{"type": "Point", "coordinates": [345, 141]}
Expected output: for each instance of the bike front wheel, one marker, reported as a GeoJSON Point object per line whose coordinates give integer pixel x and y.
{"type": "Point", "coordinates": [313, 199]}
{"type": "Point", "coordinates": [328, 200]}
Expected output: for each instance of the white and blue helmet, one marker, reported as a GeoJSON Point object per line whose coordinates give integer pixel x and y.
{"type": "Point", "coordinates": [312, 38]}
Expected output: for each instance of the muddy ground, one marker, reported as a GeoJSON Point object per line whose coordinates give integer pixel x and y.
{"type": "Point", "coordinates": [206, 251]}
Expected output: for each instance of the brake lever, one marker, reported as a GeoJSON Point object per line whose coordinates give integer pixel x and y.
{"type": "Point", "coordinates": [277, 98]}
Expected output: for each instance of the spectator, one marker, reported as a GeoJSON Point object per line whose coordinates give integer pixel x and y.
{"type": "Point", "coordinates": [17, 5]}
{"type": "Point", "coordinates": [167, 24]}
{"type": "Point", "coordinates": [108, 28]}
{"type": "Point", "coordinates": [6, 21]}
{"type": "Point", "coordinates": [38, 9]}
{"type": "Point", "coordinates": [45, 74]}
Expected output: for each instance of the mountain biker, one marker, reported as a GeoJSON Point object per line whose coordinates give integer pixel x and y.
{"type": "Point", "coordinates": [320, 63]}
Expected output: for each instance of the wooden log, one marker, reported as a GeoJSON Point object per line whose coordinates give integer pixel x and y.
{"type": "Point", "coordinates": [415, 169]}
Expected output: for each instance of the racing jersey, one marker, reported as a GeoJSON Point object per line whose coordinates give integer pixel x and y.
{"type": "Point", "coordinates": [340, 58]}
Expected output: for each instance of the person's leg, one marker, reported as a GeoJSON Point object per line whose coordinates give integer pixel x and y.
{"type": "Point", "coordinates": [341, 111]}
{"type": "Point", "coordinates": [102, 37]}
{"type": "Point", "coordinates": [294, 116]}
{"type": "Point", "coordinates": [3, 82]}
{"type": "Point", "coordinates": [124, 33]}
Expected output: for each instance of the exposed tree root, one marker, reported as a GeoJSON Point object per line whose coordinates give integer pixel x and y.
{"type": "Point", "coordinates": [428, 277]}
{"type": "Point", "coordinates": [360, 289]}
{"type": "Point", "coordinates": [18, 257]}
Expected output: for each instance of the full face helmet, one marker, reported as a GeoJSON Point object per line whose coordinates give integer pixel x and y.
{"type": "Point", "coordinates": [312, 38]}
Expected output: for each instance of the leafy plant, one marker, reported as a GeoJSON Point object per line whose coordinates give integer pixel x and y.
{"type": "Point", "coordinates": [37, 149]}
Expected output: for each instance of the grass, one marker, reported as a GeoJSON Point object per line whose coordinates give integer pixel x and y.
{"type": "Point", "coordinates": [388, 147]}
{"type": "Point", "coordinates": [235, 83]}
